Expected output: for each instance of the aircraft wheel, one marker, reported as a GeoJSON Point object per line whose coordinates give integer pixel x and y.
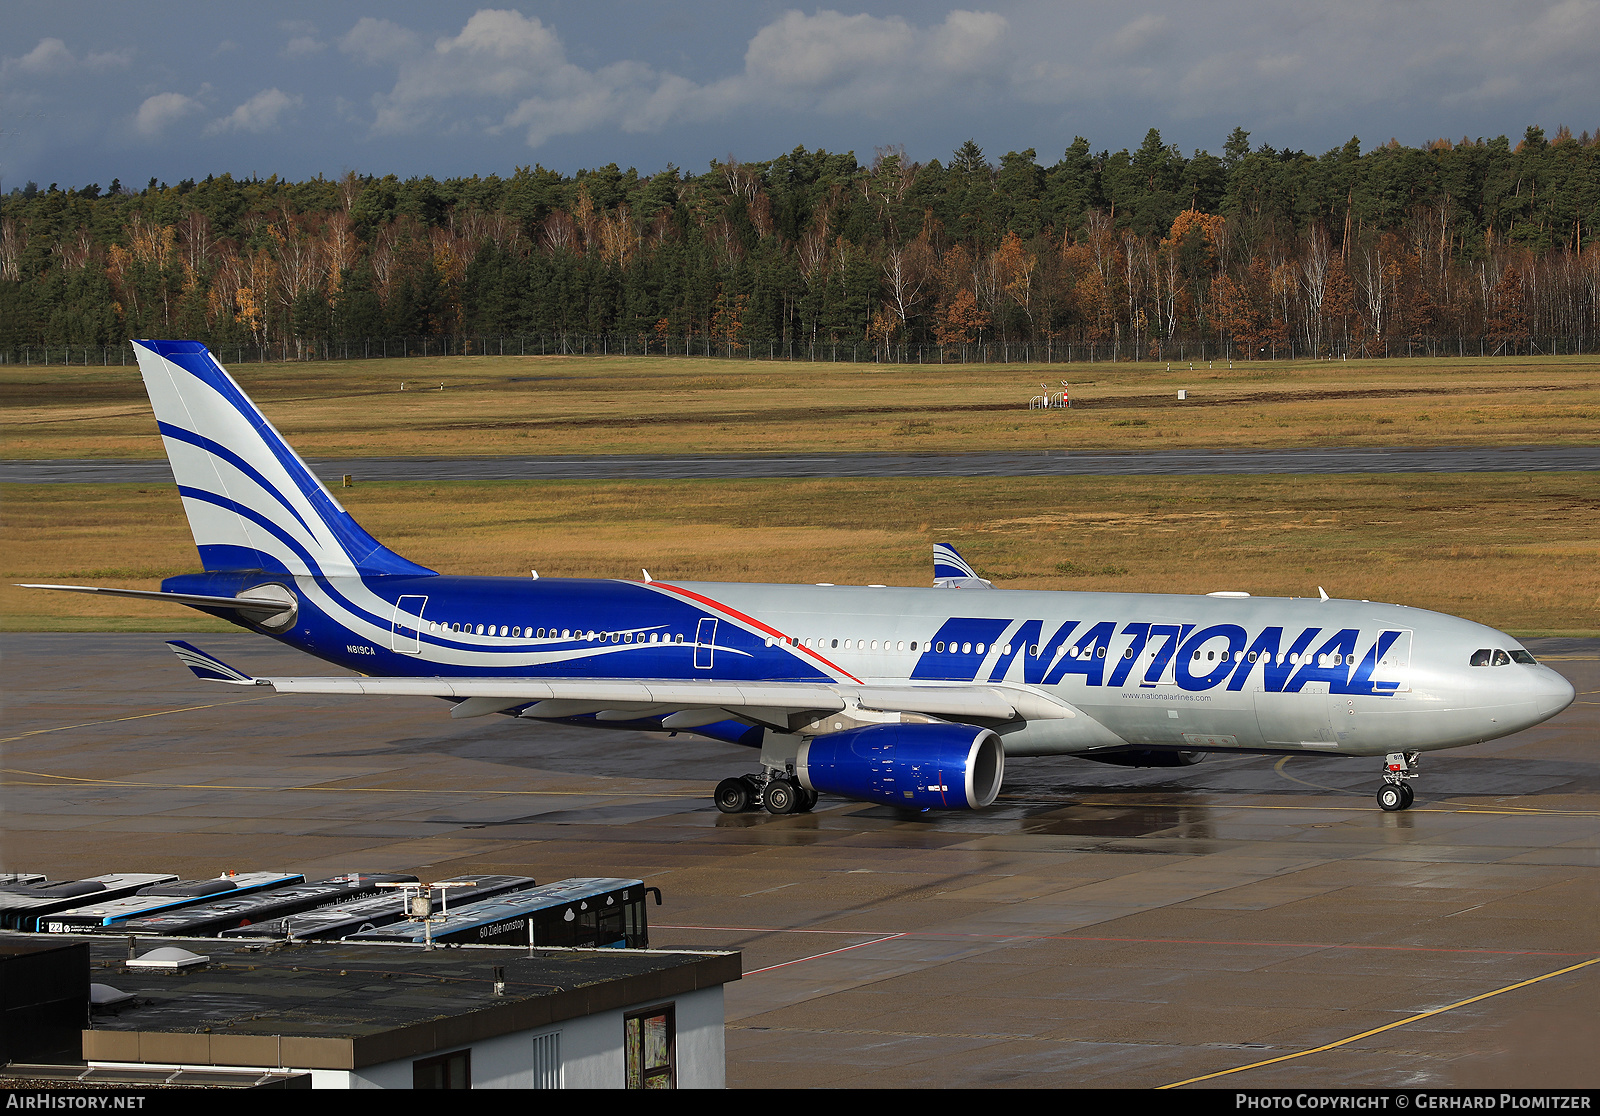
{"type": "Point", "coordinates": [1411, 795]}
{"type": "Point", "coordinates": [1393, 796]}
{"type": "Point", "coordinates": [808, 801]}
{"type": "Point", "coordinates": [733, 796]}
{"type": "Point", "coordinates": [781, 797]}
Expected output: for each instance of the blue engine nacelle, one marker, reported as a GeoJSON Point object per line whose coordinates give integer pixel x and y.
{"type": "Point", "coordinates": [943, 766]}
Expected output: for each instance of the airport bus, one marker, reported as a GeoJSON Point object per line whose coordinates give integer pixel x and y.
{"type": "Point", "coordinates": [209, 920]}
{"type": "Point", "coordinates": [24, 907]}
{"type": "Point", "coordinates": [162, 897]}
{"type": "Point", "coordinates": [345, 919]}
{"type": "Point", "coordinates": [581, 912]}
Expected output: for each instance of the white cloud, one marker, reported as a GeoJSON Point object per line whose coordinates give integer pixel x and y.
{"type": "Point", "coordinates": [1295, 68]}
{"type": "Point", "coordinates": [378, 40]}
{"type": "Point", "coordinates": [506, 70]}
{"type": "Point", "coordinates": [1147, 33]}
{"type": "Point", "coordinates": [303, 46]}
{"type": "Point", "coordinates": [157, 112]}
{"type": "Point", "coordinates": [260, 113]}
{"type": "Point", "coordinates": [805, 52]}
{"type": "Point", "coordinates": [861, 63]}
{"type": "Point", "coordinates": [51, 57]}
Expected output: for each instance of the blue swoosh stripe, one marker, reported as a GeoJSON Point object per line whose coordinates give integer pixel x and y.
{"type": "Point", "coordinates": [200, 441]}
{"type": "Point", "coordinates": [365, 551]}
{"type": "Point", "coordinates": [229, 504]}
{"type": "Point", "coordinates": [273, 529]}
{"type": "Point", "coordinates": [327, 582]}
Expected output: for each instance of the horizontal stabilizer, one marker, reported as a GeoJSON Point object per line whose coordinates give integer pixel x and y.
{"type": "Point", "coordinates": [208, 667]}
{"type": "Point", "coordinates": [193, 600]}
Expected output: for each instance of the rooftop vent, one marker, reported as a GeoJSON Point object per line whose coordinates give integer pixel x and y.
{"type": "Point", "coordinates": [169, 959]}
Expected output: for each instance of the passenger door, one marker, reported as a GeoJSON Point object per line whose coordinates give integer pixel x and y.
{"type": "Point", "coordinates": [406, 634]}
{"type": "Point", "coordinates": [705, 643]}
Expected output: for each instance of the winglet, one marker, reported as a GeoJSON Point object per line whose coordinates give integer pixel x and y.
{"type": "Point", "coordinates": [951, 571]}
{"type": "Point", "coordinates": [1321, 592]}
{"type": "Point", "coordinates": [208, 667]}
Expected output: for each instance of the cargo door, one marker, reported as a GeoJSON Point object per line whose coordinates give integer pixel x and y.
{"type": "Point", "coordinates": [1296, 720]}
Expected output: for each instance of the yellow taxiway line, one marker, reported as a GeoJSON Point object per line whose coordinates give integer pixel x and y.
{"type": "Point", "coordinates": [1386, 1026]}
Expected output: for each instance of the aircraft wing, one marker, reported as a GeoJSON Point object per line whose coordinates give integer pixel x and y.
{"type": "Point", "coordinates": [684, 702]}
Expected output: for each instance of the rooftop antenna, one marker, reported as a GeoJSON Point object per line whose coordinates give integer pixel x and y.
{"type": "Point", "coordinates": [419, 906]}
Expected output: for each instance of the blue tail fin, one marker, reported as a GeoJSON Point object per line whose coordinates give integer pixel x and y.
{"type": "Point", "coordinates": [251, 501]}
{"type": "Point", "coordinates": [951, 571]}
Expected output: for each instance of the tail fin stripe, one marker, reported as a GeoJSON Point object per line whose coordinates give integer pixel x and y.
{"type": "Point", "coordinates": [364, 551]}
{"type": "Point", "coordinates": [357, 545]}
{"type": "Point", "coordinates": [257, 518]}
{"type": "Point", "coordinates": [224, 449]}
{"type": "Point", "coordinates": [948, 563]}
{"type": "Point", "coordinates": [328, 583]}
{"type": "Point", "coordinates": [201, 442]}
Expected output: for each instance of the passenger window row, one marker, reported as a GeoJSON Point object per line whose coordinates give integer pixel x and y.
{"type": "Point", "coordinates": [1333, 658]}
{"type": "Point", "coordinates": [941, 647]}
{"type": "Point", "coordinates": [848, 644]}
{"type": "Point", "coordinates": [516, 632]}
{"type": "Point", "coordinates": [1482, 657]}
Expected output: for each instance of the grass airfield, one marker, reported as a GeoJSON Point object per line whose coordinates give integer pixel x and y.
{"type": "Point", "coordinates": [565, 405]}
{"type": "Point", "coordinates": [1518, 551]}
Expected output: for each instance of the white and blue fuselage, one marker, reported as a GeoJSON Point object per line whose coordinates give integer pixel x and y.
{"type": "Point", "coordinates": [832, 683]}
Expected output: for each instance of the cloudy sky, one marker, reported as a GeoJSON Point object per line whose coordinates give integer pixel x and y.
{"type": "Point", "coordinates": [91, 91]}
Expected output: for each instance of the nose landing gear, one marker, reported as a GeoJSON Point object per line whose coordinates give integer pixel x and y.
{"type": "Point", "coordinates": [777, 792]}
{"type": "Point", "coordinates": [1396, 792]}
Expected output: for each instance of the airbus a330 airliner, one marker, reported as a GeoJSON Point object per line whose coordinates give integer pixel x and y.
{"type": "Point", "coordinates": [912, 697]}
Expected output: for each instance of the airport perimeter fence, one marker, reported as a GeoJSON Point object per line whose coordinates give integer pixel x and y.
{"type": "Point", "coordinates": [827, 352]}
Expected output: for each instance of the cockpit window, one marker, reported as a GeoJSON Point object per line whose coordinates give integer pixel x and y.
{"type": "Point", "coordinates": [1501, 658]}
{"type": "Point", "coordinates": [1518, 655]}
{"type": "Point", "coordinates": [1481, 656]}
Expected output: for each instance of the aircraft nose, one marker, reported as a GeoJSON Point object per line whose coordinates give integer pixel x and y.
{"type": "Point", "coordinates": [1553, 694]}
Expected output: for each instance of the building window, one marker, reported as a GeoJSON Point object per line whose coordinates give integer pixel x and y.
{"type": "Point", "coordinates": [445, 1071]}
{"type": "Point", "coordinates": [648, 1046]}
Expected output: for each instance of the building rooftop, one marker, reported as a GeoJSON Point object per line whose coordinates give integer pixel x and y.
{"type": "Point", "coordinates": [340, 1005]}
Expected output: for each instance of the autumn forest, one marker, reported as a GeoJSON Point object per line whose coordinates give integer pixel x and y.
{"type": "Point", "coordinates": [1455, 246]}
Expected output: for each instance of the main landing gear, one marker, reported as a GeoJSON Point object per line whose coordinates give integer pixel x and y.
{"type": "Point", "coordinates": [1396, 792]}
{"type": "Point", "coordinates": [778, 792]}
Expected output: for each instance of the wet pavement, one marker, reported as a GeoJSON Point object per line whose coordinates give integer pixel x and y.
{"type": "Point", "coordinates": [1098, 926]}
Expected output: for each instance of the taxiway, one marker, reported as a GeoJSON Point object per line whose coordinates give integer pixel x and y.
{"type": "Point", "coordinates": [1098, 926]}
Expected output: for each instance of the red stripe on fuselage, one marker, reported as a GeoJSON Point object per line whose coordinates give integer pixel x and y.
{"type": "Point", "coordinates": [753, 622]}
